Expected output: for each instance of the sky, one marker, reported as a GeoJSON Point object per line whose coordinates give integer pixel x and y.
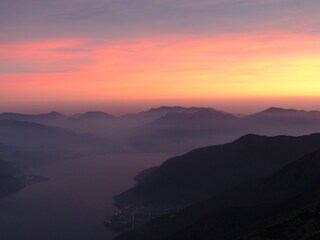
{"type": "Point", "coordinates": [236, 54]}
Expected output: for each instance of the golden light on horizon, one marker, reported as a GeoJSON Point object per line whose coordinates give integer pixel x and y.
{"type": "Point", "coordinates": [169, 67]}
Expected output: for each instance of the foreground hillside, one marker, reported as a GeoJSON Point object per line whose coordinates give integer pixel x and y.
{"type": "Point", "coordinates": [210, 171]}
{"type": "Point", "coordinates": [244, 209]}
{"type": "Point", "coordinates": [301, 225]}
{"type": "Point", "coordinates": [8, 182]}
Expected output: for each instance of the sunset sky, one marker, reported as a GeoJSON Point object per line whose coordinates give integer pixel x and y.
{"type": "Point", "coordinates": [68, 54]}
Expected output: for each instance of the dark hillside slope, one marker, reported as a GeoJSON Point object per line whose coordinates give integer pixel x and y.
{"type": "Point", "coordinates": [8, 183]}
{"type": "Point", "coordinates": [209, 171]}
{"type": "Point", "coordinates": [242, 210]}
{"type": "Point", "coordinates": [301, 225]}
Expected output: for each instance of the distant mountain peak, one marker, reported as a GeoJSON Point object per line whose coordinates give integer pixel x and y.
{"type": "Point", "coordinates": [161, 108]}
{"type": "Point", "coordinates": [179, 108]}
{"type": "Point", "coordinates": [55, 113]}
{"type": "Point", "coordinates": [276, 109]}
{"type": "Point", "coordinates": [205, 113]}
{"type": "Point", "coordinates": [11, 114]}
{"type": "Point", "coordinates": [95, 115]}
{"type": "Point", "coordinates": [292, 114]}
{"type": "Point", "coordinates": [282, 110]}
{"type": "Point", "coordinates": [250, 137]}
{"type": "Point", "coordinates": [32, 117]}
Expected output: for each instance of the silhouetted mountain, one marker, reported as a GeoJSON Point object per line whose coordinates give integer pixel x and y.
{"type": "Point", "coordinates": [94, 122]}
{"type": "Point", "coordinates": [46, 118]}
{"type": "Point", "coordinates": [118, 127]}
{"type": "Point", "coordinates": [182, 128]}
{"type": "Point", "coordinates": [155, 113]}
{"type": "Point", "coordinates": [163, 110]}
{"type": "Point", "coordinates": [243, 209]}
{"type": "Point", "coordinates": [288, 121]}
{"type": "Point", "coordinates": [98, 123]}
{"type": "Point", "coordinates": [185, 130]}
{"type": "Point", "coordinates": [301, 225]}
{"type": "Point", "coordinates": [177, 129]}
{"type": "Point", "coordinates": [141, 176]}
{"type": "Point", "coordinates": [34, 135]}
{"type": "Point", "coordinates": [9, 183]}
{"type": "Point", "coordinates": [95, 115]}
{"type": "Point", "coordinates": [209, 171]}
{"type": "Point", "coordinates": [208, 117]}
{"type": "Point", "coordinates": [281, 113]}
{"type": "Point", "coordinates": [22, 133]}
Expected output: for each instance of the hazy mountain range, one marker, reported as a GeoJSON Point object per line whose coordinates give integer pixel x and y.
{"type": "Point", "coordinates": [177, 129]}
{"type": "Point", "coordinates": [30, 135]}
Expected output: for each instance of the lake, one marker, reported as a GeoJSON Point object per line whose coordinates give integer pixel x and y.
{"type": "Point", "coordinates": [75, 201]}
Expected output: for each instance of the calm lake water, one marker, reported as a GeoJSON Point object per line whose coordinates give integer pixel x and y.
{"type": "Point", "coordinates": [75, 201]}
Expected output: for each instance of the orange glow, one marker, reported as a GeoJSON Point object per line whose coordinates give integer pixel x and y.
{"type": "Point", "coordinates": [172, 67]}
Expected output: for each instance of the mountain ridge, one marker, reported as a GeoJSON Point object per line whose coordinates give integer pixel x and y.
{"type": "Point", "coordinates": [241, 210]}
{"type": "Point", "coordinates": [203, 172]}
